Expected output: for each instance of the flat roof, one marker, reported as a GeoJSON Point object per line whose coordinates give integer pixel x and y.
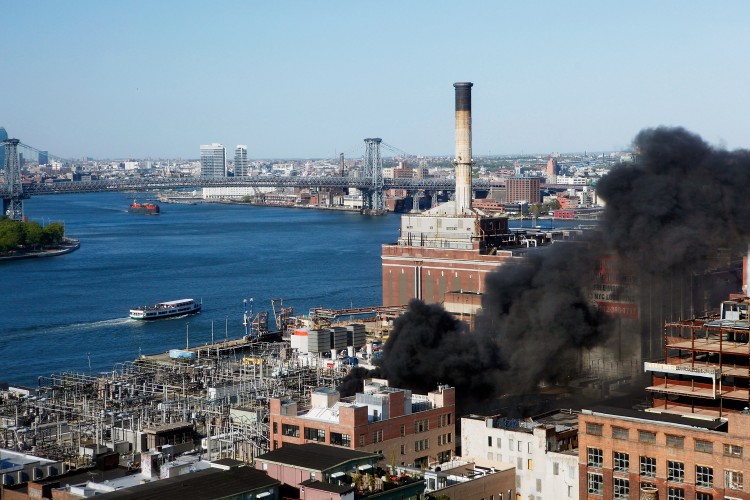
{"type": "Point", "coordinates": [313, 456]}
{"type": "Point", "coordinates": [711, 424]}
{"type": "Point", "coordinates": [207, 484]}
{"type": "Point", "coordinates": [333, 488]}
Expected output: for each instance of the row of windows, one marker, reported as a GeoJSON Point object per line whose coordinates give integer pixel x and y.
{"type": "Point", "coordinates": [730, 450]}
{"type": "Point", "coordinates": [444, 439]}
{"type": "Point", "coordinates": [704, 475]}
{"type": "Point", "coordinates": [621, 489]}
{"type": "Point", "coordinates": [512, 444]}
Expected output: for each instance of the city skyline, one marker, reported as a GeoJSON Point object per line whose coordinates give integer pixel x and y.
{"type": "Point", "coordinates": [299, 80]}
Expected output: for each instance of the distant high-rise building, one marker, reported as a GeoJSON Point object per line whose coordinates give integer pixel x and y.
{"type": "Point", "coordinates": [552, 168]}
{"type": "Point", "coordinates": [523, 189]}
{"type": "Point", "coordinates": [240, 161]}
{"type": "Point", "coordinates": [43, 157]}
{"type": "Point", "coordinates": [3, 137]}
{"type": "Point", "coordinates": [213, 160]}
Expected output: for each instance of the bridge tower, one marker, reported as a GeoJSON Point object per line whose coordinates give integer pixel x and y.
{"type": "Point", "coordinates": [13, 196]}
{"type": "Point", "coordinates": [372, 197]}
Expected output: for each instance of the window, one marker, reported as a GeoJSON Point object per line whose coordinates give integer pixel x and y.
{"type": "Point", "coordinates": [595, 483]}
{"type": "Point", "coordinates": [704, 446]}
{"type": "Point", "coordinates": [675, 471]}
{"type": "Point", "coordinates": [519, 463]}
{"type": "Point", "coordinates": [620, 433]}
{"type": "Point", "coordinates": [733, 479]}
{"type": "Point", "coordinates": [646, 437]}
{"type": "Point", "coordinates": [490, 456]}
{"type": "Point", "coordinates": [489, 441]}
{"type": "Point", "coordinates": [538, 485]}
{"type": "Point", "coordinates": [403, 449]}
{"type": "Point", "coordinates": [402, 430]}
{"type": "Point", "coordinates": [704, 476]}
{"type": "Point", "coordinates": [593, 429]}
{"type": "Point", "coordinates": [377, 436]}
{"type": "Point", "coordinates": [341, 439]}
{"type": "Point", "coordinates": [648, 467]}
{"type": "Point", "coordinates": [290, 430]}
{"type": "Point", "coordinates": [675, 494]}
{"type": "Point", "coordinates": [703, 496]}
{"type": "Point", "coordinates": [675, 441]}
{"type": "Point", "coordinates": [275, 428]}
{"type": "Point", "coordinates": [530, 464]}
{"type": "Point", "coordinates": [621, 462]}
{"type": "Point", "coordinates": [424, 444]}
{"type": "Point", "coordinates": [732, 450]}
{"type": "Point", "coordinates": [529, 447]}
{"type": "Point", "coordinates": [315, 435]}
{"type": "Point", "coordinates": [421, 425]}
{"type": "Point", "coordinates": [594, 457]}
{"type": "Point", "coordinates": [510, 444]}
{"type": "Point", "coordinates": [555, 468]}
{"type": "Point", "coordinates": [520, 444]}
{"type": "Point", "coordinates": [621, 488]}
{"type": "Point", "coordinates": [499, 443]}
{"type": "Point", "coordinates": [361, 439]}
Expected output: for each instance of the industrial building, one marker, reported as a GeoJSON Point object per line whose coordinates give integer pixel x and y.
{"type": "Point", "coordinates": [542, 450]}
{"type": "Point", "coordinates": [452, 247]}
{"type": "Point", "coordinates": [706, 366]}
{"type": "Point", "coordinates": [628, 454]}
{"type": "Point", "coordinates": [404, 428]}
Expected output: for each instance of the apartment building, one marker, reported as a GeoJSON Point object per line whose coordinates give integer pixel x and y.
{"type": "Point", "coordinates": [627, 453]}
{"type": "Point", "coordinates": [405, 428]}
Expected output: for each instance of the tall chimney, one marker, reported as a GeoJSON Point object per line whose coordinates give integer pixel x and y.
{"type": "Point", "coordinates": [463, 159]}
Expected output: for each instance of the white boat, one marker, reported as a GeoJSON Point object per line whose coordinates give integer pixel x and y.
{"type": "Point", "coordinates": [166, 309]}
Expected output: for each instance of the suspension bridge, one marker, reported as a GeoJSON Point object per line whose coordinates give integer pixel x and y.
{"type": "Point", "coordinates": [371, 183]}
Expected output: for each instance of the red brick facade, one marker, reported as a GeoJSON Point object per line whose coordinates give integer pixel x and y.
{"type": "Point", "coordinates": [403, 439]}
{"type": "Point", "coordinates": [679, 459]}
{"type": "Point", "coordinates": [428, 273]}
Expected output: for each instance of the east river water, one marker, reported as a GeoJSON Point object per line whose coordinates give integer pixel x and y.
{"type": "Point", "coordinates": [70, 312]}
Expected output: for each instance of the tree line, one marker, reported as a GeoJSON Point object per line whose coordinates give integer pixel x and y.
{"type": "Point", "coordinates": [28, 236]}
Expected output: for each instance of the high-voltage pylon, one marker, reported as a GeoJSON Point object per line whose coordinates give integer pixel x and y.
{"type": "Point", "coordinates": [372, 197]}
{"type": "Point", "coordinates": [14, 195]}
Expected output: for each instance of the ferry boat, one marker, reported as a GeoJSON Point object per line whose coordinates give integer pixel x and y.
{"type": "Point", "coordinates": [166, 309]}
{"type": "Point", "coordinates": [143, 208]}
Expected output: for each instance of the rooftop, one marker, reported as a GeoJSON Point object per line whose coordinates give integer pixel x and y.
{"type": "Point", "coordinates": [707, 423]}
{"type": "Point", "coordinates": [211, 483]}
{"type": "Point", "coordinates": [314, 456]}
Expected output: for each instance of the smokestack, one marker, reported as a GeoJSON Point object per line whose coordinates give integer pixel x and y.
{"type": "Point", "coordinates": [463, 159]}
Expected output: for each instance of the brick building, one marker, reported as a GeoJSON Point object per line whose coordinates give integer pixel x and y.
{"type": "Point", "coordinates": [676, 457]}
{"type": "Point", "coordinates": [439, 252]}
{"type": "Point", "coordinates": [405, 428]}
{"type": "Point", "coordinates": [523, 189]}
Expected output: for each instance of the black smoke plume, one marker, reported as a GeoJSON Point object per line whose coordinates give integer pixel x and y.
{"type": "Point", "coordinates": [666, 216]}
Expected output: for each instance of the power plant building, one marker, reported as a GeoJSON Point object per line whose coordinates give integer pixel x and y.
{"type": "Point", "coordinates": [452, 247]}
{"type": "Point", "coordinates": [213, 160]}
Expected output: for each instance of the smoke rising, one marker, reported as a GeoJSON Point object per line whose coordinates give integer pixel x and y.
{"type": "Point", "coordinates": [665, 217]}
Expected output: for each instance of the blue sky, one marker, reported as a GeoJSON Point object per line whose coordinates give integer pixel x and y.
{"type": "Point", "coordinates": [313, 78]}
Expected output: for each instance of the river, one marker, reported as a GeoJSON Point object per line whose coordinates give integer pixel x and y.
{"type": "Point", "coordinates": [70, 312]}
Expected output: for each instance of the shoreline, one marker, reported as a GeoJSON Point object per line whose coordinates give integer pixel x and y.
{"type": "Point", "coordinates": [67, 246]}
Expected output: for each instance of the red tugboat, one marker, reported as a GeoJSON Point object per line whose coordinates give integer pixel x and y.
{"type": "Point", "coordinates": [143, 208]}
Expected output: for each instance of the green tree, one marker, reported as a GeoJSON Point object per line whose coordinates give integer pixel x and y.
{"type": "Point", "coordinates": [53, 233]}
{"type": "Point", "coordinates": [34, 235]}
{"type": "Point", "coordinates": [11, 235]}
